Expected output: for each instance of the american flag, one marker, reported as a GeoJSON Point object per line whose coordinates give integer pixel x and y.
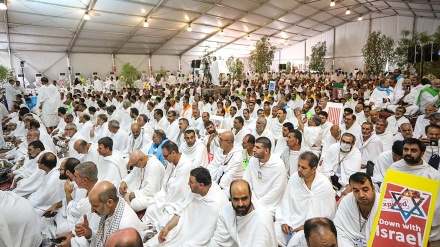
{"type": "Point", "coordinates": [334, 111]}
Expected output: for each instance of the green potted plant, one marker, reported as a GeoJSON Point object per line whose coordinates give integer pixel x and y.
{"type": "Point", "coordinates": [6, 75]}
{"type": "Point", "coordinates": [316, 60]}
{"type": "Point", "coordinates": [260, 59]}
{"type": "Point", "coordinates": [377, 51]}
{"type": "Point", "coordinates": [235, 67]}
{"type": "Point", "coordinates": [129, 75]}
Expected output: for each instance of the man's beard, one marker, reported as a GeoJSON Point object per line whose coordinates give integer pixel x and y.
{"type": "Point", "coordinates": [31, 157]}
{"type": "Point", "coordinates": [242, 210]}
{"type": "Point", "coordinates": [63, 176]}
{"type": "Point", "coordinates": [104, 213]}
{"type": "Point", "coordinates": [410, 160]}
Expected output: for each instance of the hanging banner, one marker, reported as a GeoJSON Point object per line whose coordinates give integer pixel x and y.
{"type": "Point", "coordinates": [37, 82]}
{"type": "Point", "coordinates": [335, 112]}
{"type": "Point", "coordinates": [408, 204]}
{"type": "Point", "coordinates": [62, 80]}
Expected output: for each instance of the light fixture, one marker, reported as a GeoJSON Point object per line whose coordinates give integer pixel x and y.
{"type": "Point", "coordinates": [221, 32]}
{"type": "Point", "coordinates": [285, 41]}
{"type": "Point", "coordinates": [146, 23]}
{"type": "Point", "coordinates": [332, 3]}
{"type": "Point", "coordinates": [248, 37]}
{"type": "Point", "coordinates": [3, 5]}
{"type": "Point", "coordinates": [87, 16]}
{"type": "Point", "coordinates": [347, 12]}
{"type": "Point", "coordinates": [189, 29]}
{"type": "Point", "coordinates": [360, 18]}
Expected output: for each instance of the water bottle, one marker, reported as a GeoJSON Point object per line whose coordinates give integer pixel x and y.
{"type": "Point", "coordinates": [289, 236]}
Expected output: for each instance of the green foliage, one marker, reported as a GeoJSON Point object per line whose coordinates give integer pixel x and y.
{"type": "Point", "coordinates": [129, 75]}
{"type": "Point", "coordinates": [161, 72]}
{"type": "Point", "coordinates": [377, 51]}
{"type": "Point", "coordinates": [5, 75]}
{"type": "Point", "coordinates": [316, 60]}
{"type": "Point", "coordinates": [235, 67]}
{"type": "Point", "coordinates": [288, 67]}
{"type": "Point", "coordinates": [410, 40]}
{"type": "Point", "coordinates": [260, 59]}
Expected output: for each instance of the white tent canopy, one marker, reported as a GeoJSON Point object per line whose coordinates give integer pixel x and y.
{"type": "Point", "coordinates": [45, 32]}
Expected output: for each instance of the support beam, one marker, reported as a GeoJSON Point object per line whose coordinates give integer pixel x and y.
{"type": "Point", "coordinates": [89, 8]}
{"type": "Point", "coordinates": [264, 25]}
{"type": "Point", "coordinates": [235, 20]}
{"type": "Point", "coordinates": [8, 40]}
{"type": "Point", "coordinates": [139, 25]}
{"type": "Point", "coordinates": [184, 28]}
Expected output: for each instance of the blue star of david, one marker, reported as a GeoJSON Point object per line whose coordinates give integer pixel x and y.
{"type": "Point", "coordinates": [416, 210]}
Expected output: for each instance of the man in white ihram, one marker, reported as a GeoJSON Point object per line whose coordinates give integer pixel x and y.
{"type": "Point", "coordinates": [342, 160]}
{"type": "Point", "coordinates": [244, 222]}
{"type": "Point", "coordinates": [165, 203]}
{"type": "Point", "coordinates": [302, 200]}
{"type": "Point", "coordinates": [266, 175]}
{"type": "Point", "coordinates": [140, 185]}
{"type": "Point", "coordinates": [49, 100]}
{"type": "Point", "coordinates": [414, 164]}
{"type": "Point", "coordinates": [194, 149]}
{"type": "Point", "coordinates": [214, 70]}
{"type": "Point", "coordinates": [205, 199]}
{"type": "Point", "coordinates": [227, 163]}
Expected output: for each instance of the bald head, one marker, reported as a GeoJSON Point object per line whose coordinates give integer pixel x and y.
{"type": "Point", "coordinates": [135, 157]}
{"type": "Point", "coordinates": [335, 131]}
{"type": "Point", "coordinates": [228, 136]}
{"type": "Point", "coordinates": [135, 130]}
{"type": "Point", "coordinates": [239, 186]}
{"type": "Point", "coordinates": [103, 199]}
{"type": "Point", "coordinates": [127, 237]}
{"type": "Point", "coordinates": [320, 232]}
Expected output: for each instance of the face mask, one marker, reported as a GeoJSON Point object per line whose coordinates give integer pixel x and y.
{"type": "Point", "coordinates": [345, 147]}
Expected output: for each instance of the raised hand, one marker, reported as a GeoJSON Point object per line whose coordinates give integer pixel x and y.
{"type": "Point", "coordinates": [83, 229]}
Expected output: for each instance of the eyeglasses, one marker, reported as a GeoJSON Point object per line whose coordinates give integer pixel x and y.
{"type": "Point", "coordinates": [222, 140]}
{"type": "Point", "coordinates": [342, 141]}
{"type": "Point", "coordinates": [166, 156]}
{"type": "Point", "coordinates": [59, 169]}
{"type": "Point", "coordinates": [67, 129]}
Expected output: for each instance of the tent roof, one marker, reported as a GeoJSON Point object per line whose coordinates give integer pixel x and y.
{"type": "Point", "coordinates": [116, 26]}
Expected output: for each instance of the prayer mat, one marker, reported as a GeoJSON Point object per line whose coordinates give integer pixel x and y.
{"type": "Point", "coordinates": [6, 185]}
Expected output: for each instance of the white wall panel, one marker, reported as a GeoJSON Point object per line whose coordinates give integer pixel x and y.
{"type": "Point", "coordinates": [349, 64]}
{"type": "Point", "coordinates": [49, 64]}
{"type": "Point", "coordinates": [295, 54]}
{"type": "Point", "coordinates": [392, 26]}
{"type": "Point", "coordinates": [140, 62]}
{"type": "Point", "coordinates": [427, 25]}
{"type": "Point", "coordinates": [350, 38]}
{"type": "Point", "coordinates": [170, 63]}
{"type": "Point", "coordinates": [86, 64]}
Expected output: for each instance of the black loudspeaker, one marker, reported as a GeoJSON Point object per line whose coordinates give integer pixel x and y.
{"type": "Point", "coordinates": [431, 52]}
{"type": "Point", "coordinates": [414, 54]}
{"type": "Point", "coordinates": [282, 66]}
{"type": "Point", "coordinates": [196, 63]}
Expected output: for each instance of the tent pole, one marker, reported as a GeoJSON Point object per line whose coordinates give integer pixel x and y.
{"type": "Point", "coordinates": [70, 70]}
